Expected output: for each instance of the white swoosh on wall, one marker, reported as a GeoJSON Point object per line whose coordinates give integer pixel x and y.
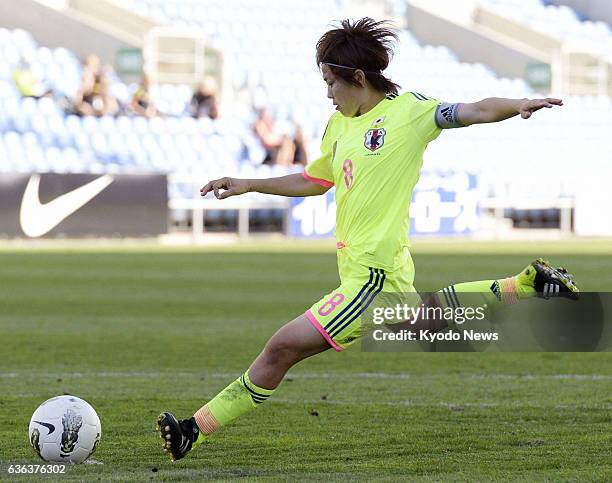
{"type": "Point", "coordinates": [37, 219]}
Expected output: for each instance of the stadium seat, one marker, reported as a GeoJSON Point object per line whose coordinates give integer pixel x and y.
{"type": "Point", "coordinates": [90, 125]}
{"type": "Point", "coordinates": [107, 125]}
{"type": "Point", "coordinates": [558, 21]}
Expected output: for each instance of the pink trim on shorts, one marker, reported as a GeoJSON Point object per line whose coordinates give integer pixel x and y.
{"type": "Point", "coordinates": [317, 325]}
{"type": "Point", "coordinates": [322, 182]}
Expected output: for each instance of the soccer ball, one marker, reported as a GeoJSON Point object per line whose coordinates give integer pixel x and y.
{"type": "Point", "coordinates": [65, 429]}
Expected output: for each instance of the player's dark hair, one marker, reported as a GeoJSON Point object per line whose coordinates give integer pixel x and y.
{"type": "Point", "coordinates": [363, 44]}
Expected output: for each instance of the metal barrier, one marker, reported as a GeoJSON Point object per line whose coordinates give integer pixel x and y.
{"type": "Point", "coordinates": [242, 204]}
{"type": "Point", "coordinates": [564, 204]}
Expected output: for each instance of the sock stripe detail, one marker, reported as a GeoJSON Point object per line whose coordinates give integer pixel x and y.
{"type": "Point", "coordinates": [362, 307]}
{"type": "Point", "coordinates": [454, 294]}
{"type": "Point", "coordinates": [355, 300]}
{"type": "Point", "coordinates": [449, 302]}
{"type": "Point", "coordinates": [445, 297]}
{"type": "Point", "coordinates": [251, 386]}
{"type": "Point", "coordinates": [452, 301]}
{"type": "Point", "coordinates": [495, 288]}
{"type": "Point", "coordinates": [257, 397]}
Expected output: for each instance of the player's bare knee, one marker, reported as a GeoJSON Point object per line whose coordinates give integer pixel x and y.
{"type": "Point", "coordinates": [280, 351]}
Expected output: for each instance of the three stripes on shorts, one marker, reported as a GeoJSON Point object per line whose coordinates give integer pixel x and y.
{"type": "Point", "coordinates": [359, 304]}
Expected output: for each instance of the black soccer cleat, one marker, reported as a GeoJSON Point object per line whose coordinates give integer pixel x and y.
{"type": "Point", "coordinates": [179, 436]}
{"type": "Point", "coordinates": [550, 281]}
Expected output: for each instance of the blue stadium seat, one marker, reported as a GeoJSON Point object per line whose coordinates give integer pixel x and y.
{"type": "Point", "coordinates": [100, 146]}
{"type": "Point", "coordinates": [71, 155]}
{"type": "Point", "coordinates": [155, 159]}
{"type": "Point", "coordinates": [107, 124]}
{"type": "Point", "coordinates": [90, 124]}
{"type": "Point", "coordinates": [20, 122]}
{"type": "Point", "coordinates": [140, 125]}
{"type": "Point", "coordinates": [188, 125]}
{"type": "Point", "coordinates": [39, 125]}
{"type": "Point", "coordinates": [204, 125]}
{"type": "Point", "coordinates": [167, 142]}
{"type": "Point", "coordinates": [124, 124]}
{"type": "Point", "coordinates": [150, 142]}
{"type": "Point", "coordinates": [140, 159]}
{"type": "Point", "coordinates": [57, 127]}
{"type": "Point", "coordinates": [157, 125]}
{"type": "Point", "coordinates": [6, 87]}
{"type": "Point", "coordinates": [73, 124]}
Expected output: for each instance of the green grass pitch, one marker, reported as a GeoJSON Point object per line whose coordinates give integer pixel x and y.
{"type": "Point", "coordinates": [137, 331]}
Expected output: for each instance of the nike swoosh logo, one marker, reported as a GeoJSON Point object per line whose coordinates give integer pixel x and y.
{"type": "Point", "coordinates": [37, 219]}
{"type": "Point", "coordinates": [49, 426]}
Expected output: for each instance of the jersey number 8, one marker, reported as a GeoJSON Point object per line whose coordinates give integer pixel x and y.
{"type": "Point", "coordinates": [347, 167]}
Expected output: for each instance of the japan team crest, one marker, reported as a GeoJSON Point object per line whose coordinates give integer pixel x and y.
{"type": "Point", "coordinates": [374, 139]}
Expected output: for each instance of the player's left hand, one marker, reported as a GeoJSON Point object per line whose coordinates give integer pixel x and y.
{"type": "Point", "coordinates": [529, 106]}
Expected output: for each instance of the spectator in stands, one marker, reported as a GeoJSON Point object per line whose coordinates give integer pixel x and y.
{"type": "Point", "coordinates": [300, 147]}
{"type": "Point", "coordinates": [141, 103]}
{"type": "Point", "coordinates": [88, 86]}
{"type": "Point", "coordinates": [91, 69]}
{"type": "Point", "coordinates": [27, 83]}
{"type": "Point", "coordinates": [280, 148]}
{"type": "Point", "coordinates": [94, 97]}
{"type": "Point", "coordinates": [108, 105]}
{"type": "Point", "coordinates": [204, 102]}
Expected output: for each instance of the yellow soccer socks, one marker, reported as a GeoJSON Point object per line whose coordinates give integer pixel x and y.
{"type": "Point", "coordinates": [504, 291]}
{"type": "Point", "coordinates": [240, 397]}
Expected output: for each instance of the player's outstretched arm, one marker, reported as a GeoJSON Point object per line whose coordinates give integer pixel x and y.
{"type": "Point", "coordinates": [496, 109]}
{"type": "Point", "coordinates": [290, 185]}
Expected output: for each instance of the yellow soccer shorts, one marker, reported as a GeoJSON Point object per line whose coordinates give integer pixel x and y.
{"type": "Point", "coordinates": [338, 315]}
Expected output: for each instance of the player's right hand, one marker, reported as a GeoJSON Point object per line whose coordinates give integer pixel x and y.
{"type": "Point", "coordinates": [529, 106]}
{"type": "Point", "coordinates": [232, 187]}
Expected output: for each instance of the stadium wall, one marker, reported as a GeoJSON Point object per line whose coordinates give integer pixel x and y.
{"type": "Point", "coordinates": [470, 46]}
{"type": "Point", "coordinates": [60, 28]}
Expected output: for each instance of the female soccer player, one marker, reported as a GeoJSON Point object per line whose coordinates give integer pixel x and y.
{"type": "Point", "coordinates": [372, 154]}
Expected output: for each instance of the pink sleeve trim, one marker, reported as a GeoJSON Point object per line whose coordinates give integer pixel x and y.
{"type": "Point", "coordinates": [322, 182]}
{"type": "Point", "coordinates": [317, 325]}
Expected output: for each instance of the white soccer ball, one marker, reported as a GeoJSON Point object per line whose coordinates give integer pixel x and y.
{"type": "Point", "coordinates": [65, 429]}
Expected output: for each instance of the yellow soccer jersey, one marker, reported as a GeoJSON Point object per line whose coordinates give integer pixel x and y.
{"type": "Point", "coordinates": [374, 162]}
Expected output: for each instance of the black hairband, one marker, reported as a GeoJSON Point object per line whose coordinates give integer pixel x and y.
{"type": "Point", "coordinates": [352, 68]}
